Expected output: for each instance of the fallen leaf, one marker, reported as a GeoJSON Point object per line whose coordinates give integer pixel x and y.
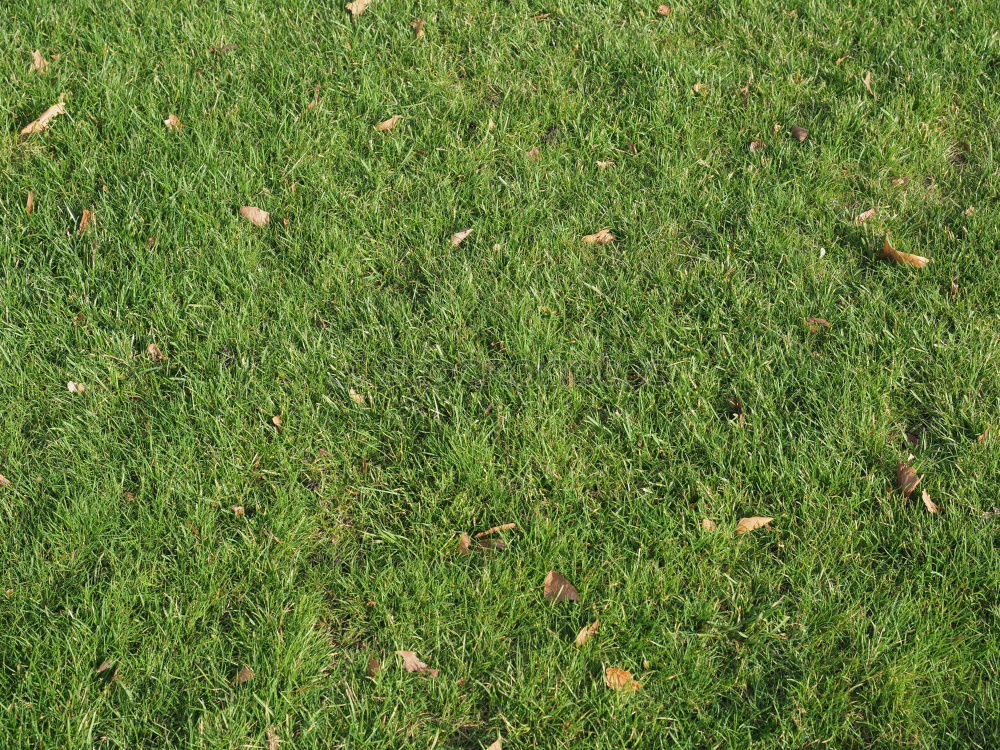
{"type": "Point", "coordinates": [357, 7]}
{"type": "Point", "coordinates": [900, 181]}
{"type": "Point", "coordinates": [751, 523]}
{"type": "Point", "coordinates": [418, 28]}
{"type": "Point", "coordinates": [558, 589]}
{"type": "Point", "coordinates": [864, 216]}
{"type": "Point", "coordinates": [707, 524]}
{"type": "Point", "coordinates": [221, 50]}
{"type": "Point", "coordinates": [38, 63]}
{"type": "Point", "coordinates": [541, 16]}
{"type": "Point", "coordinates": [798, 133]}
{"type": "Point", "coordinates": [620, 680]}
{"type": "Point", "coordinates": [79, 319]}
{"type": "Point", "coordinates": [173, 122]}
{"type": "Point", "coordinates": [954, 288]}
{"type": "Point", "coordinates": [75, 387]}
{"type": "Point", "coordinates": [374, 665]}
{"type": "Point", "coordinates": [244, 675]}
{"type": "Point", "coordinates": [497, 744]}
{"type": "Point", "coordinates": [358, 398]}
{"type": "Point", "coordinates": [907, 479]}
{"type": "Point", "coordinates": [868, 82]}
{"type": "Point", "coordinates": [777, 128]}
{"type": "Point", "coordinates": [600, 237]}
{"type": "Point", "coordinates": [489, 544]}
{"type": "Point", "coordinates": [816, 323]}
{"type": "Point", "coordinates": [239, 511]}
{"type": "Point", "coordinates": [464, 543]}
{"type": "Point", "coordinates": [85, 221]}
{"type": "Point", "coordinates": [969, 211]}
{"type": "Point", "coordinates": [273, 741]}
{"type": "Point", "coordinates": [904, 259]}
{"type": "Point", "coordinates": [534, 153]}
{"type": "Point", "coordinates": [29, 205]}
{"type": "Point", "coordinates": [458, 237]}
{"type": "Point", "coordinates": [756, 146]}
{"type": "Point", "coordinates": [928, 503]}
{"type": "Point", "coordinates": [155, 353]}
{"type": "Point", "coordinates": [276, 420]}
{"type": "Point", "coordinates": [983, 435]}
{"type": "Point", "coordinates": [256, 216]}
{"type": "Point", "coordinates": [386, 125]}
{"type": "Point", "coordinates": [700, 88]}
{"type": "Point", "coordinates": [412, 664]}
{"type": "Point", "coordinates": [105, 665]}
{"type": "Point", "coordinates": [5, 482]}
{"type": "Point", "coordinates": [664, 10]}
{"type": "Point", "coordinates": [605, 164]}
{"type": "Point", "coordinates": [42, 123]}
{"type": "Point", "coordinates": [586, 633]}
{"type": "Point", "coordinates": [495, 529]}
{"type": "Point", "coordinates": [841, 59]}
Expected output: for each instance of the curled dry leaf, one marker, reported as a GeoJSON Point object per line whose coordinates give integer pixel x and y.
{"type": "Point", "coordinates": [495, 529]}
{"type": "Point", "coordinates": [983, 435]}
{"type": "Point", "coordinates": [104, 666]}
{"type": "Point", "coordinates": [534, 153]}
{"type": "Point", "coordinates": [273, 741]}
{"type": "Point", "coordinates": [464, 543]}
{"type": "Point", "coordinates": [386, 125]}
{"type": "Point", "coordinates": [458, 237]}
{"type": "Point", "coordinates": [586, 633]}
{"type": "Point", "coordinates": [239, 511]}
{"type": "Point", "coordinates": [357, 7]}
{"type": "Point", "coordinates": [73, 387]}
{"type": "Point", "coordinates": [256, 216]}
{"type": "Point", "coordinates": [700, 88]}
{"type": "Point", "coordinates": [418, 28]}
{"type": "Point", "coordinates": [600, 237]}
{"type": "Point", "coordinates": [276, 420]}
{"type": "Point", "coordinates": [85, 221]}
{"type": "Point", "coordinates": [868, 82]}
{"type": "Point", "coordinates": [558, 589]}
{"type": "Point", "coordinates": [221, 49]}
{"type": "Point", "coordinates": [907, 479]}
{"type": "Point", "coordinates": [29, 204]}
{"type": "Point", "coordinates": [841, 59]}
{"type": "Point", "coordinates": [244, 675]}
{"type": "Point", "coordinates": [620, 680]}
{"type": "Point", "coordinates": [903, 259]}
{"type": "Point", "coordinates": [901, 181]}
{"type": "Point", "coordinates": [928, 503]}
{"type": "Point", "coordinates": [751, 523]}
{"type": "Point", "coordinates": [800, 134]}
{"type": "Point", "coordinates": [707, 524]}
{"type": "Point", "coordinates": [44, 120]}
{"type": "Point", "coordinates": [5, 482]}
{"type": "Point", "coordinates": [864, 216]}
{"type": "Point", "coordinates": [173, 122]}
{"type": "Point", "coordinates": [412, 664]}
{"type": "Point", "coordinates": [815, 324]}
{"type": "Point", "coordinates": [358, 398]}
{"type": "Point", "coordinates": [605, 164]}
{"type": "Point", "coordinates": [374, 665]}
{"type": "Point", "coordinates": [756, 146]}
{"type": "Point", "coordinates": [664, 10]}
{"type": "Point", "coordinates": [155, 353]}
{"type": "Point", "coordinates": [38, 62]}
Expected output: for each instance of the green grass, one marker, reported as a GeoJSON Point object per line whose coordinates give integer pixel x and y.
{"type": "Point", "coordinates": [858, 621]}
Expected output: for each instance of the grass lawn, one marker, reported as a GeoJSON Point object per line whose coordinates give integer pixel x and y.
{"type": "Point", "coordinates": [223, 540]}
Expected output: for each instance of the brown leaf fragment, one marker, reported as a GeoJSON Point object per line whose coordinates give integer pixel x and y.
{"type": "Point", "coordinates": [558, 589]}
{"type": "Point", "coordinates": [256, 216]}
{"type": "Point", "coordinates": [386, 125]}
{"type": "Point", "coordinates": [239, 511]}
{"type": "Point", "coordinates": [44, 120]}
{"type": "Point", "coordinates": [928, 503]}
{"type": "Point", "coordinates": [73, 387]}
{"type": "Point", "coordinates": [700, 88]}
{"type": "Point", "coordinates": [459, 237]}
{"type": "Point", "coordinates": [79, 319]}
{"type": "Point", "coordinates": [495, 529]}
{"type": "Point", "coordinates": [586, 633]}
{"type": "Point", "coordinates": [464, 543]}
{"type": "Point", "coordinates": [868, 82]}
{"type": "Point", "coordinates": [412, 664]}
{"type": "Point", "coordinates": [357, 7]}
{"type": "Point", "coordinates": [104, 666]}
{"type": "Point", "coordinates": [155, 353]}
{"type": "Point", "coordinates": [907, 479]}
{"type": "Point", "coordinates": [29, 204]}
{"type": "Point", "coordinates": [273, 741]}
{"type": "Point", "coordinates": [620, 680]}
{"type": "Point", "coordinates": [756, 146]}
{"type": "Point", "coordinates": [358, 398]}
{"type": "Point", "coordinates": [85, 221]}
{"type": "Point", "coordinates": [418, 28]}
{"type": "Point", "coordinates": [815, 324]}
{"type": "Point", "coordinates": [173, 122]}
{"type": "Point", "coordinates": [707, 524]}
{"type": "Point", "coordinates": [38, 62]}
{"type": "Point", "coordinates": [534, 153]}
{"type": "Point", "coordinates": [903, 259]}
{"type": "Point", "coordinates": [221, 49]}
{"type": "Point", "coordinates": [600, 237]}
{"type": "Point", "coordinates": [864, 216]}
{"type": "Point", "coordinates": [901, 181]}
{"type": "Point", "coordinates": [5, 482]}
{"type": "Point", "coordinates": [491, 544]}
{"type": "Point", "coordinates": [664, 10]}
{"type": "Point", "coordinates": [605, 164]}
{"type": "Point", "coordinates": [983, 436]}
{"type": "Point", "coordinates": [276, 420]}
{"type": "Point", "coordinates": [800, 134]}
{"type": "Point", "coordinates": [841, 59]}
{"type": "Point", "coordinates": [244, 675]}
{"type": "Point", "coordinates": [374, 665]}
{"type": "Point", "coordinates": [497, 744]}
{"type": "Point", "coordinates": [752, 522]}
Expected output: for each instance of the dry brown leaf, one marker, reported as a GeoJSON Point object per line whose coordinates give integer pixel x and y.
{"type": "Point", "coordinates": [79, 319]}
{"type": "Point", "coordinates": [75, 387]}
{"type": "Point", "coordinates": [558, 589]}
{"type": "Point", "coordinates": [983, 435]}
{"type": "Point", "coordinates": [29, 205]}
{"type": "Point", "coordinates": [868, 82]}
{"type": "Point", "coordinates": [900, 181]}
{"type": "Point", "coordinates": [105, 665]}
{"type": "Point", "coordinates": [903, 259]}
{"type": "Point", "coordinates": [605, 164]}
{"type": "Point", "coordinates": [490, 544]}
{"type": "Point", "coordinates": [38, 63]}
{"type": "Point", "coordinates": [534, 153]}
{"type": "Point", "coordinates": [864, 216]}
{"type": "Point", "coordinates": [954, 288]}
{"type": "Point", "coordinates": [42, 123]}
{"type": "Point", "coordinates": [800, 134]}
{"type": "Point", "coordinates": [412, 664]}
{"type": "Point", "coordinates": [276, 420]}
{"type": "Point", "coordinates": [664, 10]}
{"type": "Point", "coordinates": [620, 680]}
{"type": "Point", "coordinates": [700, 88]}
{"type": "Point", "coordinates": [464, 543]}
{"type": "Point", "coordinates": [173, 122]}
{"type": "Point", "coordinates": [5, 482]}
{"type": "Point", "coordinates": [969, 211]}
{"type": "Point", "coordinates": [586, 633]}
{"type": "Point", "coordinates": [221, 49]}
{"type": "Point", "coordinates": [928, 503]}
{"type": "Point", "coordinates": [374, 665]}
{"type": "Point", "coordinates": [239, 511]}
{"type": "Point", "coordinates": [495, 529]}
{"type": "Point", "coordinates": [907, 479]}
{"type": "Point", "coordinates": [777, 128]}
{"type": "Point", "coordinates": [155, 353]}
{"type": "Point", "coordinates": [816, 323]}
{"type": "Point", "coordinates": [386, 125]}
{"type": "Point", "coordinates": [756, 146]}
{"type": "Point", "coordinates": [358, 398]}
{"type": "Point", "coordinates": [244, 675]}
{"type": "Point", "coordinates": [273, 741]}
{"type": "Point", "coordinates": [357, 7]}
{"type": "Point", "coordinates": [751, 523]}
{"type": "Point", "coordinates": [458, 237]}
{"type": "Point", "coordinates": [707, 524]}
{"type": "Point", "coordinates": [600, 237]}
{"type": "Point", "coordinates": [256, 216]}
{"type": "Point", "coordinates": [85, 221]}
{"type": "Point", "coordinates": [496, 744]}
{"type": "Point", "coordinates": [841, 59]}
{"type": "Point", "coordinates": [418, 28]}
